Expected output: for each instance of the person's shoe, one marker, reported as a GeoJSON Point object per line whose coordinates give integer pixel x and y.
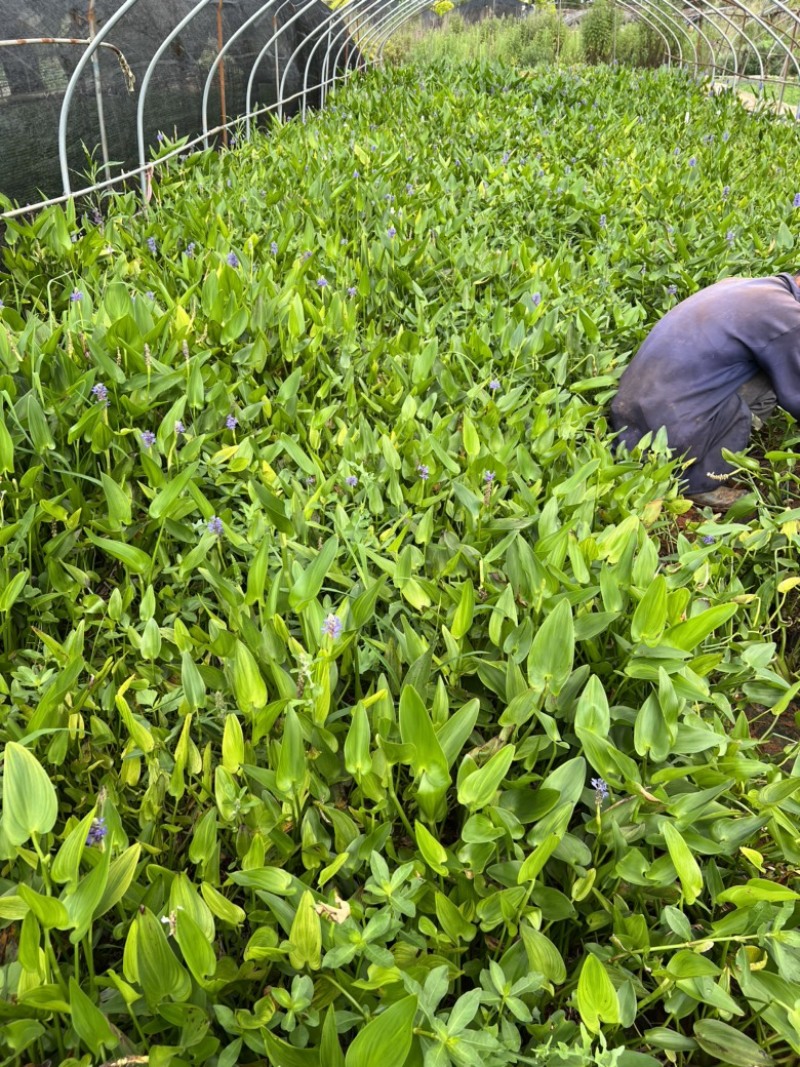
{"type": "Point", "coordinates": [720, 499]}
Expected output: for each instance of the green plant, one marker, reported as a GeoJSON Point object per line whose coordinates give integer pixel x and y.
{"type": "Point", "coordinates": [359, 701]}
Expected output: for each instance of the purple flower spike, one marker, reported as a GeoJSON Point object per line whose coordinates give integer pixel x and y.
{"type": "Point", "coordinates": [100, 392]}
{"type": "Point", "coordinates": [536, 299]}
{"type": "Point", "coordinates": [602, 222]}
{"type": "Point", "coordinates": [489, 477]}
{"type": "Point", "coordinates": [332, 627]}
{"type": "Point", "coordinates": [351, 480]}
{"type": "Point", "coordinates": [423, 470]}
{"type": "Point", "coordinates": [215, 525]}
{"type": "Point", "coordinates": [708, 540]}
{"type": "Point", "coordinates": [76, 296]}
{"type": "Point", "coordinates": [179, 427]}
{"type": "Point", "coordinates": [600, 790]}
{"type": "Point", "coordinates": [322, 282]}
{"type": "Point", "coordinates": [231, 422]}
{"type": "Point", "coordinates": [97, 832]}
{"type": "Point", "coordinates": [494, 385]}
{"type": "Point", "coordinates": [233, 259]}
{"type": "Point", "coordinates": [147, 438]}
{"type": "Point", "coordinates": [672, 289]}
{"type": "Point", "coordinates": [391, 232]}
{"type": "Point", "coordinates": [352, 291]}
{"type": "Point", "coordinates": [796, 201]}
{"type": "Point", "coordinates": [274, 248]}
{"type": "Point", "coordinates": [152, 244]}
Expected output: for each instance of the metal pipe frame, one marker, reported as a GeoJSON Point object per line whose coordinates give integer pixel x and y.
{"type": "Point", "coordinates": [224, 51]}
{"type": "Point", "coordinates": [263, 52]}
{"type": "Point", "coordinates": [318, 30]}
{"type": "Point", "coordinates": [72, 85]}
{"type": "Point", "coordinates": [146, 83]}
{"type": "Point", "coordinates": [765, 26]}
{"type": "Point", "coordinates": [652, 25]}
{"type": "Point", "coordinates": [701, 11]}
{"type": "Point", "coordinates": [381, 31]}
{"type": "Point", "coordinates": [344, 31]}
{"type": "Point", "coordinates": [384, 19]}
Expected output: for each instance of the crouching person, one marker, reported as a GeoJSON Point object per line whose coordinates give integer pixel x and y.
{"type": "Point", "coordinates": [712, 370]}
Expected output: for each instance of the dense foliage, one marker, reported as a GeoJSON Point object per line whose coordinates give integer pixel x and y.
{"type": "Point", "coordinates": [361, 705]}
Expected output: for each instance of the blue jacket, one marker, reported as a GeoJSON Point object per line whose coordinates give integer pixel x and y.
{"type": "Point", "coordinates": [685, 375]}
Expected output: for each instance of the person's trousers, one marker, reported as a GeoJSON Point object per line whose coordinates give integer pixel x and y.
{"type": "Point", "coordinates": [745, 411]}
{"type": "Point", "coordinates": [759, 396]}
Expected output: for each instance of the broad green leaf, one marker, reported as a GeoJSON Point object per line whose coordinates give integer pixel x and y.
{"type": "Point", "coordinates": [222, 908]}
{"type": "Point", "coordinates": [534, 863]}
{"type": "Point", "coordinates": [67, 862]}
{"type": "Point", "coordinates": [330, 1051]}
{"type": "Point", "coordinates": [90, 1023]}
{"type": "Point", "coordinates": [11, 590]}
{"type": "Point", "coordinates": [158, 971]}
{"type": "Point", "coordinates": [197, 949]}
{"type": "Point", "coordinates": [120, 876]}
{"type": "Point", "coordinates": [432, 851]}
{"type": "Point", "coordinates": [729, 1045]}
{"type": "Point", "coordinates": [452, 920]}
{"type": "Point", "coordinates": [386, 1038]}
{"type": "Point", "coordinates": [552, 651]}
{"type": "Point", "coordinates": [357, 758]}
{"type": "Point", "coordinates": [688, 635]}
{"type": "Point", "coordinates": [479, 788]}
{"type": "Point", "coordinates": [117, 500]}
{"type": "Point", "coordinates": [82, 904]}
{"type": "Point", "coordinates": [290, 774]}
{"type": "Point", "coordinates": [232, 744]}
{"type": "Point", "coordinates": [686, 865]}
{"type": "Point", "coordinates": [543, 956]}
{"type": "Point", "coordinates": [308, 585]}
{"type": "Point", "coordinates": [455, 733]}
{"type": "Point", "coordinates": [134, 559]}
{"type": "Point", "coordinates": [462, 620]}
{"type": "Point", "coordinates": [305, 936]}
{"type": "Point", "coordinates": [248, 683]}
{"type": "Point", "coordinates": [29, 798]}
{"type": "Point", "coordinates": [650, 615]}
{"type": "Point", "coordinates": [596, 996]}
{"type": "Point", "coordinates": [165, 500]}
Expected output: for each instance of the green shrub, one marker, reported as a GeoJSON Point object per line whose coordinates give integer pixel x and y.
{"type": "Point", "coordinates": [597, 32]}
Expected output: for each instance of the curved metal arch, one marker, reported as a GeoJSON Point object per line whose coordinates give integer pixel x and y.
{"type": "Point", "coordinates": [765, 26]}
{"type": "Point", "coordinates": [644, 18]}
{"type": "Point", "coordinates": [344, 31]}
{"type": "Point", "coordinates": [703, 11]}
{"type": "Point", "coordinates": [707, 10]}
{"type": "Point", "coordinates": [792, 42]}
{"type": "Point", "coordinates": [399, 12]}
{"type": "Point", "coordinates": [688, 22]}
{"type": "Point", "coordinates": [383, 31]}
{"type": "Point", "coordinates": [249, 94]}
{"type": "Point", "coordinates": [224, 51]}
{"type": "Point", "coordinates": [66, 104]}
{"type": "Point", "coordinates": [668, 22]}
{"type": "Point", "coordinates": [318, 31]}
{"type": "Point", "coordinates": [360, 51]}
{"type": "Point", "coordinates": [146, 83]}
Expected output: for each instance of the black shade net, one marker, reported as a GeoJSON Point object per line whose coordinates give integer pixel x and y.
{"type": "Point", "coordinates": [34, 77]}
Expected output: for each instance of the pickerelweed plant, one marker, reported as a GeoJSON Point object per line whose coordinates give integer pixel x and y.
{"type": "Point", "coordinates": [360, 703]}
